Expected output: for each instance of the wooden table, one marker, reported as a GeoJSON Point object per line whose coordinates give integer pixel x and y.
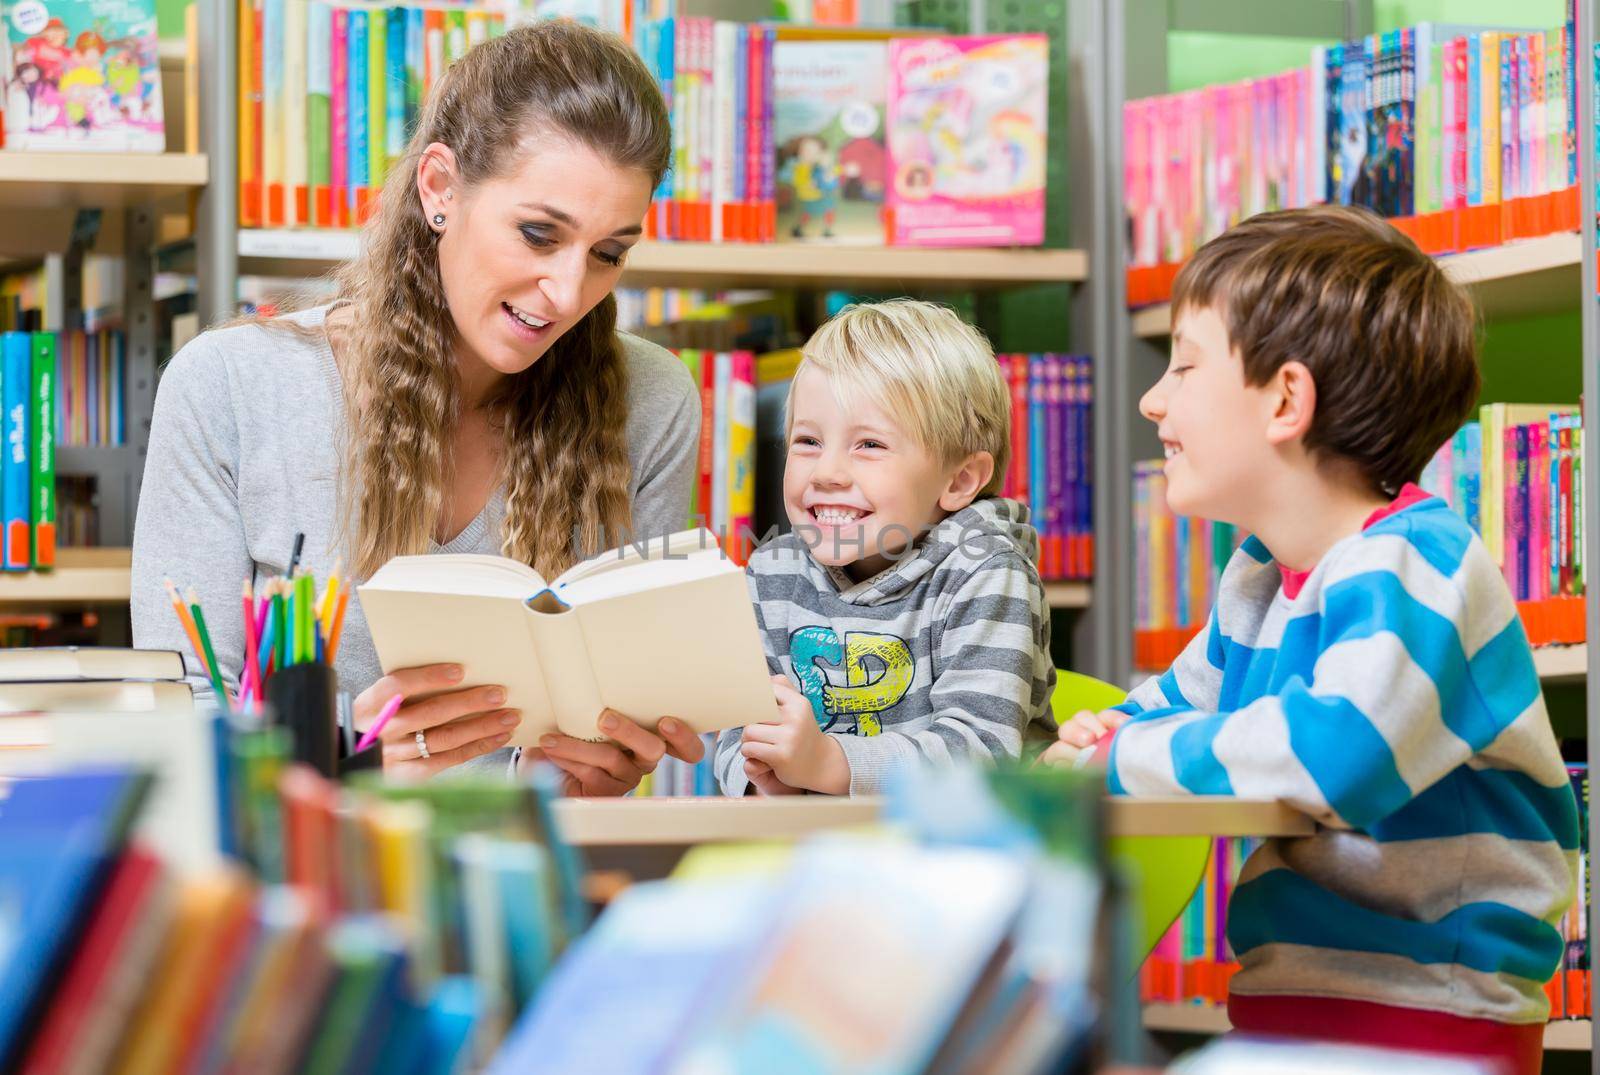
{"type": "Point", "coordinates": [646, 837]}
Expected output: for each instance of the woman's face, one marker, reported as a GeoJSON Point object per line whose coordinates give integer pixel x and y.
{"type": "Point", "coordinates": [524, 257]}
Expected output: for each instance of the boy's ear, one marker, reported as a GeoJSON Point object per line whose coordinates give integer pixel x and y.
{"type": "Point", "coordinates": [1293, 397]}
{"type": "Point", "coordinates": [967, 481]}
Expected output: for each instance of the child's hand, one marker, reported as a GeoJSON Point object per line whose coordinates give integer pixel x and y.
{"type": "Point", "coordinates": [1079, 734]}
{"type": "Point", "coordinates": [797, 752]}
{"type": "Point", "coordinates": [764, 780]}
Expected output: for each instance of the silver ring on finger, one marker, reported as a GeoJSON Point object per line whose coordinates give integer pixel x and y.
{"type": "Point", "coordinates": [422, 744]}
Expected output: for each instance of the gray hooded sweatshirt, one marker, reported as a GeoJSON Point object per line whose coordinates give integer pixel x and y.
{"type": "Point", "coordinates": [942, 655]}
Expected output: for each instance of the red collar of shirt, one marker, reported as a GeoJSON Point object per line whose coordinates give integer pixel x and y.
{"type": "Point", "coordinates": [1294, 581]}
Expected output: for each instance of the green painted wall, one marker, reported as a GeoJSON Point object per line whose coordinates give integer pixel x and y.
{"type": "Point", "coordinates": [1524, 359]}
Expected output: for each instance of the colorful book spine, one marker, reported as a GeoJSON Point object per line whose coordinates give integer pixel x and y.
{"type": "Point", "coordinates": [394, 94]}
{"type": "Point", "coordinates": [296, 104]}
{"type": "Point", "coordinates": [319, 114]}
{"type": "Point", "coordinates": [741, 454]}
{"type": "Point", "coordinates": [42, 462]}
{"type": "Point", "coordinates": [358, 99]}
{"type": "Point", "coordinates": [272, 117]}
{"type": "Point", "coordinates": [16, 386]}
{"type": "Point", "coordinates": [249, 133]}
{"type": "Point", "coordinates": [339, 118]}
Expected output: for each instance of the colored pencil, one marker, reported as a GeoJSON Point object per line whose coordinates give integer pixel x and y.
{"type": "Point", "coordinates": [281, 621]}
{"type": "Point", "coordinates": [188, 626]}
{"type": "Point", "coordinates": [390, 708]}
{"type": "Point", "coordinates": [252, 669]}
{"type": "Point", "coordinates": [268, 637]}
{"type": "Point", "coordinates": [205, 641]}
{"type": "Point", "coordinates": [338, 625]}
{"type": "Point", "coordinates": [294, 556]}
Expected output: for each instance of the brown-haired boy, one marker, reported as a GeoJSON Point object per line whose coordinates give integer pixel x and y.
{"type": "Point", "coordinates": [1364, 661]}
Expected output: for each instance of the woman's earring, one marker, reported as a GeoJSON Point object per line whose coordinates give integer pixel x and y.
{"type": "Point", "coordinates": [438, 220]}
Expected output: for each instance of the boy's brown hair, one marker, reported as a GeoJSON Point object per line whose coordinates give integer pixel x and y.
{"type": "Point", "coordinates": [1390, 341]}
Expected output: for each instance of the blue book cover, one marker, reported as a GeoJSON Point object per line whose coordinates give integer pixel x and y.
{"type": "Point", "coordinates": [356, 102]}
{"type": "Point", "coordinates": [416, 64]}
{"type": "Point", "coordinates": [741, 106]}
{"type": "Point", "coordinates": [1086, 456]}
{"type": "Point", "coordinates": [1475, 146]}
{"type": "Point", "coordinates": [16, 389]}
{"type": "Point", "coordinates": [93, 343]}
{"type": "Point", "coordinates": [447, 1024]}
{"type": "Point", "coordinates": [394, 128]}
{"type": "Point", "coordinates": [1474, 490]}
{"type": "Point", "coordinates": [60, 835]}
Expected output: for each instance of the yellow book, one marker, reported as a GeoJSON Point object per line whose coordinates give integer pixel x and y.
{"type": "Point", "coordinates": [191, 79]}
{"type": "Point", "coordinates": [405, 878]}
{"type": "Point", "coordinates": [1489, 112]}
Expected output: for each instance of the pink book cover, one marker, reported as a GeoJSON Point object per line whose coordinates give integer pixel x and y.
{"type": "Point", "coordinates": [1456, 71]}
{"type": "Point", "coordinates": [1174, 162]}
{"type": "Point", "coordinates": [1539, 510]}
{"type": "Point", "coordinates": [1137, 164]}
{"type": "Point", "coordinates": [1516, 527]}
{"type": "Point", "coordinates": [967, 140]}
{"type": "Point", "coordinates": [339, 132]}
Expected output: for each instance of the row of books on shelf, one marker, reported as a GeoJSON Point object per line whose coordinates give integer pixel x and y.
{"type": "Point", "coordinates": [1052, 468]}
{"type": "Point", "coordinates": [779, 132]}
{"type": "Point", "coordinates": [1467, 135]}
{"type": "Point", "coordinates": [28, 450]}
{"type": "Point", "coordinates": [1193, 963]}
{"type": "Point", "coordinates": [384, 929]}
{"type": "Point", "coordinates": [678, 779]}
{"type": "Point", "coordinates": [1516, 476]}
{"type": "Point", "coordinates": [328, 96]}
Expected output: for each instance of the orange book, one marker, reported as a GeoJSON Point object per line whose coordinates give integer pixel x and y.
{"type": "Point", "coordinates": [249, 102]}
{"type": "Point", "coordinates": [433, 46]}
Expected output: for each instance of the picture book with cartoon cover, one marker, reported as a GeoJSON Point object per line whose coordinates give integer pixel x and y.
{"type": "Point", "coordinates": [829, 99]}
{"type": "Point", "coordinates": [83, 74]}
{"type": "Point", "coordinates": [967, 140]}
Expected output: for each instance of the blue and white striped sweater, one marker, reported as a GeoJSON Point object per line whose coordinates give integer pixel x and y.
{"type": "Point", "coordinates": [1395, 700]}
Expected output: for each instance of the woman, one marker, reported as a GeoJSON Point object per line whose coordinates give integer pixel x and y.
{"type": "Point", "coordinates": [468, 393]}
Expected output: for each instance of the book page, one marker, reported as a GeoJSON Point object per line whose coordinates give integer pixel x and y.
{"type": "Point", "coordinates": [674, 548]}
{"type": "Point", "coordinates": [487, 636]}
{"type": "Point", "coordinates": [461, 573]}
{"type": "Point", "coordinates": [690, 651]}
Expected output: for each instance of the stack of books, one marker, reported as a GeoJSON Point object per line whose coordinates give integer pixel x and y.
{"type": "Point", "coordinates": [1052, 468]}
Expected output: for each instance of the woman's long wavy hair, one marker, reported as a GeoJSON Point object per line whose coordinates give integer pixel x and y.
{"type": "Point", "coordinates": [564, 458]}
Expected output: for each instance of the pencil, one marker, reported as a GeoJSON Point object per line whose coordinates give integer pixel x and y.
{"type": "Point", "coordinates": [205, 640]}
{"type": "Point", "coordinates": [285, 658]}
{"type": "Point", "coordinates": [338, 625]}
{"type": "Point", "coordinates": [265, 654]}
{"type": "Point", "coordinates": [188, 626]}
{"type": "Point", "coordinates": [390, 708]}
{"type": "Point", "coordinates": [294, 557]}
{"type": "Point", "coordinates": [305, 591]}
{"type": "Point", "coordinates": [329, 596]}
{"type": "Point", "coordinates": [252, 668]}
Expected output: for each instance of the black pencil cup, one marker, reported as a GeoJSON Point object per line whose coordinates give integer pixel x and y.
{"type": "Point", "coordinates": [302, 699]}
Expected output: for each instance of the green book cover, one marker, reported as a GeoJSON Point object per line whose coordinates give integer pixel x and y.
{"type": "Point", "coordinates": [319, 97]}
{"type": "Point", "coordinates": [455, 35]}
{"type": "Point", "coordinates": [42, 480]}
{"type": "Point", "coordinates": [377, 102]}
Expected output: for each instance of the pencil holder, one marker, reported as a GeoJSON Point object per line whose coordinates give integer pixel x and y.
{"type": "Point", "coordinates": [302, 699]}
{"type": "Point", "coordinates": [370, 758]}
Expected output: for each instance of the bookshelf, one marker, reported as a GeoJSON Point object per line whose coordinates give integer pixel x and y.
{"type": "Point", "coordinates": [671, 264]}
{"type": "Point", "coordinates": [1565, 1035]}
{"type": "Point", "coordinates": [1533, 276]}
{"type": "Point", "coordinates": [33, 180]}
{"type": "Point", "coordinates": [1068, 594]}
{"type": "Point", "coordinates": [98, 576]}
{"type": "Point", "coordinates": [1561, 664]}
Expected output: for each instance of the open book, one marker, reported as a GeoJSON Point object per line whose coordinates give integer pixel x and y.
{"type": "Point", "coordinates": [666, 630]}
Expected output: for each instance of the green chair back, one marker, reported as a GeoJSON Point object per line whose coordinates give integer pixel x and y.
{"type": "Point", "coordinates": [1161, 872]}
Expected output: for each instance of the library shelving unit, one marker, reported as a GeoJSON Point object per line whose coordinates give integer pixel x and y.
{"type": "Point", "coordinates": [40, 193]}
{"type": "Point", "coordinates": [1536, 276]}
{"type": "Point", "coordinates": [1078, 125]}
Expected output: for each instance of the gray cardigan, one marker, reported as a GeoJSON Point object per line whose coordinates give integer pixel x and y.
{"type": "Point", "coordinates": [244, 449]}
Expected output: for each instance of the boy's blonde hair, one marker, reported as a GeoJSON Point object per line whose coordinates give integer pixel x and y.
{"type": "Point", "coordinates": [920, 362]}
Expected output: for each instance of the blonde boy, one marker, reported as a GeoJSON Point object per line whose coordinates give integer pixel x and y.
{"type": "Point", "coordinates": [903, 617]}
{"type": "Point", "coordinates": [1364, 661]}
